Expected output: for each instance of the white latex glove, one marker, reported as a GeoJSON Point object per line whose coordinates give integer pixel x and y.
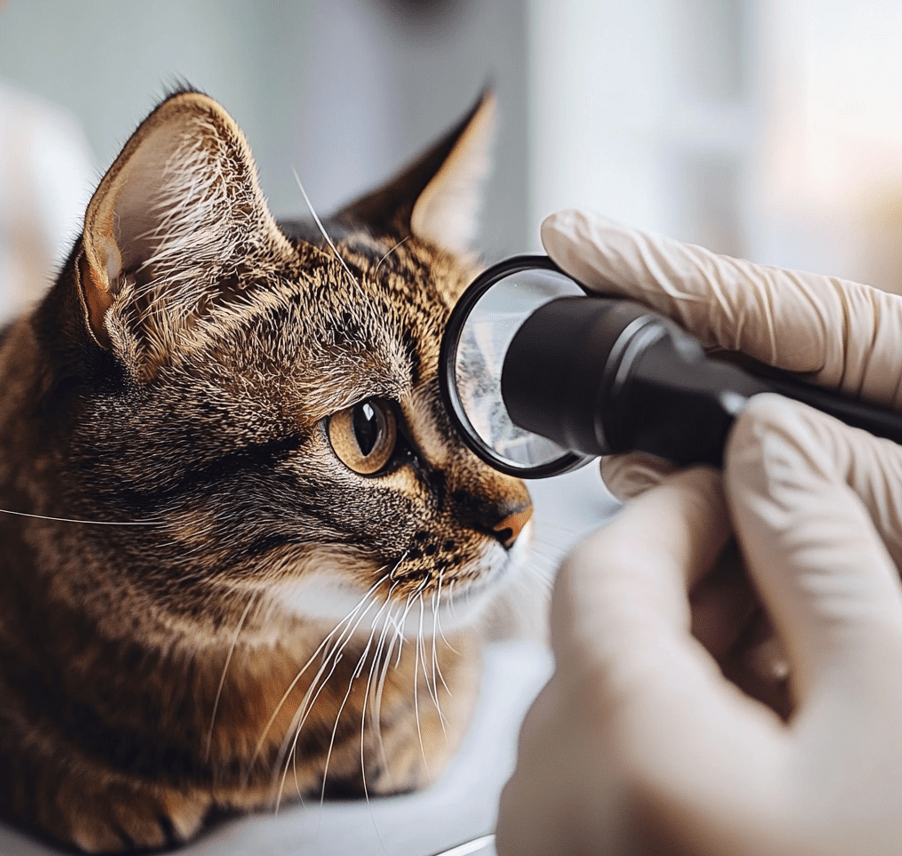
{"type": "Point", "coordinates": [836, 333]}
{"type": "Point", "coordinates": [639, 745]}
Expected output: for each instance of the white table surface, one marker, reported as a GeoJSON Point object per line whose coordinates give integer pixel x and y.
{"type": "Point", "coordinates": [462, 804]}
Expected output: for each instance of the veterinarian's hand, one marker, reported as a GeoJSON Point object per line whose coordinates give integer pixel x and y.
{"type": "Point", "coordinates": [836, 333]}
{"type": "Point", "coordinates": [639, 745]}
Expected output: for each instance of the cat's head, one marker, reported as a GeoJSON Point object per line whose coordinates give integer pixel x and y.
{"type": "Point", "coordinates": [270, 396]}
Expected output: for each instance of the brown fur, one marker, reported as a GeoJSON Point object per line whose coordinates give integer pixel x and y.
{"type": "Point", "coordinates": [177, 380]}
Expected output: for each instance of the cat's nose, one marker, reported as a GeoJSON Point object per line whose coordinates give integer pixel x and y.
{"type": "Point", "coordinates": [509, 528]}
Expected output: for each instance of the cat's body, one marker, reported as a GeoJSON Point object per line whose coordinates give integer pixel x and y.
{"type": "Point", "coordinates": [289, 547]}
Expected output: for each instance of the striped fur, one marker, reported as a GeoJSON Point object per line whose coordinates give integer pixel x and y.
{"type": "Point", "coordinates": [245, 619]}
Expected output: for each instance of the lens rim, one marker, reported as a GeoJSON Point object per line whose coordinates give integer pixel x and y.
{"type": "Point", "coordinates": [448, 363]}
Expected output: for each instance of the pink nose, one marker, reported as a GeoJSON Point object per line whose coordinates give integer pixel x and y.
{"type": "Point", "coordinates": [508, 529]}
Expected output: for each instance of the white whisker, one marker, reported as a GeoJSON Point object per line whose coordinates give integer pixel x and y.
{"type": "Point", "coordinates": [87, 522]}
{"type": "Point", "coordinates": [433, 690]}
{"type": "Point", "coordinates": [416, 690]}
{"type": "Point", "coordinates": [367, 696]}
{"type": "Point", "coordinates": [225, 669]}
{"type": "Point", "coordinates": [550, 524]}
{"type": "Point", "coordinates": [380, 689]}
{"type": "Point", "coordinates": [451, 600]}
{"type": "Point", "coordinates": [322, 229]}
{"type": "Point", "coordinates": [354, 675]}
{"type": "Point", "coordinates": [337, 629]}
{"type": "Point", "coordinates": [437, 632]}
{"type": "Point", "coordinates": [310, 696]}
{"type": "Point", "coordinates": [395, 247]}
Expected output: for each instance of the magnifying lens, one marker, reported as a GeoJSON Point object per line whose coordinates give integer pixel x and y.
{"type": "Point", "coordinates": [540, 376]}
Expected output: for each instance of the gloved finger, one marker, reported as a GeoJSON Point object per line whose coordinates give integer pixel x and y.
{"type": "Point", "coordinates": [627, 662]}
{"type": "Point", "coordinates": [728, 620]}
{"type": "Point", "coordinates": [637, 569]}
{"type": "Point", "coordinates": [816, 509]}
{"type": "Point", "coordinates": [761, 650]}
{"type": "Point", "coordinates": [841, 333]}
{"type": "Point", "coordinates": [722, 604]}
{"type": "Point", "coordinates": [630, 474]}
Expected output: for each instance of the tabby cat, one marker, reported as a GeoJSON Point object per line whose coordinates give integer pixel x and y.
{"type": "Point", "coordinates": [286, 547]}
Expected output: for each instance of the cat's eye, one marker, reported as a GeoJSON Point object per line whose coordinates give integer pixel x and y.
{"type": "Point", "coordinates": [364, 436]}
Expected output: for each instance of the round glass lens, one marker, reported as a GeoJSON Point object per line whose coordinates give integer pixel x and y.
{"type": "Point", "coordinates": [484, 339]}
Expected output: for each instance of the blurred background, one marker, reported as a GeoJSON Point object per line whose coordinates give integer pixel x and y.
{"type": "Point", "coordinates": [764, 128]}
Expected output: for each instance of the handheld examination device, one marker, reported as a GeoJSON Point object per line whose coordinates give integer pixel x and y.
{"type": "Point", "coordinates": [540, 376]}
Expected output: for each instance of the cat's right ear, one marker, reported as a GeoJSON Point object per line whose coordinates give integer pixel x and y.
{"type": "Point", "coordinates": [438, 197]}
{"type": "Point", "coordinates": [174, 213]}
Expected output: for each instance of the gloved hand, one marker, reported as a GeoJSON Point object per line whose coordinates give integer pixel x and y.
{"type": "Point", "coordinates": [639, 745]}
{"type": "Point", "coordinates": [837, 333]}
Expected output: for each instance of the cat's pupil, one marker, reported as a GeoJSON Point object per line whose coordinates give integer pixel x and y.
{"type": "Point", "coordinates": [367, 427]}
{"type": "Point", "coordinates": [363, 436]}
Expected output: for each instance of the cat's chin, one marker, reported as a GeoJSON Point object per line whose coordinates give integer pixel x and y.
{"type": "Point", "coordinates": [331, 598]}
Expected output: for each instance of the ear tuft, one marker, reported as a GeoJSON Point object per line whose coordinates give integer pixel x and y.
{"type": "Point", "coordinates": [171, 218]}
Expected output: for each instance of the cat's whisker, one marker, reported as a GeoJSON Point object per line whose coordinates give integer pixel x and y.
{"type": "Point", "coordinates": [549, 553]}
{"type": "Point", "coordinates": [451, 605]}
{"type": "Point", "coordinates": [287, 751]}
{"type": "Point", "coordinates": [441, 633]}
{"type": "Point", "coordinates": [552, 550]}
{"type": "Point", "coordinates": [376, 718]}
{"type": "Point", "coordinates": [310, 696]}
{"type": "Point", "coordinates": [436, 600]}
{"type": "Point", "coordinates": [543, 533]}
{"type": "Point", "coordinates": [545, 523]}
{"type": "Point", "coordinates": [421, 645]}
{"type": "Point", "coordinates": [392, 574]}
{"type": "Point", "coordinates": [434, 658]}
{"type": "Point", "coordinates": [322, 229]}
{"type": "Point", "coordinates": [395, 247]}
{"type": "Point", "coordinates": [86, 522]}
{"type": "Point", "coordinates": [368, 695]}
{"type": "Point", "coordinates": [403, 620]}
{"type": "Point", "coordinates": [441, 581]}
{"type": "Point", "coordinates": [335, 630]}
{"type": "Point", "coordinates": [532, 578]}
{"type": "Point", "coordinates": [543, 566]}
{"type": "Point", "coordinates": [250, 602]}
{"type": "Point", "coordinates": [416, 703]}
{"type": "Point", "coordinates": [380, 689]}
{"type": "Point", "coordinates": [545, 584]}
{"type": "Point", "coordinates": [354, 675]}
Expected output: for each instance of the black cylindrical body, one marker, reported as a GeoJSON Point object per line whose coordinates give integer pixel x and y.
{"type": "Point", "coordinates": [604, 375]}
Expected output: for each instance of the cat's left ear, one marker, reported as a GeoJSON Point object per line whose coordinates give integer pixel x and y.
{"type": "Point", "coordinates": [439, 196]}
{"type": "Point", "coordinates": [171, 221]}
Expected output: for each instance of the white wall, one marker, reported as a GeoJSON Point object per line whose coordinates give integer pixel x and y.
{"type": "Point", "coordinates": [829, 156]}
{"type": "Point", "coordinates": [768, 128]}
{"type": "Point", "coordinates": [765, 128]}
{"type": "Point", "coordinates": [643, 111]}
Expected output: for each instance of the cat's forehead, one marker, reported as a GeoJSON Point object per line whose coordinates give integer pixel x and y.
{"type": "Point", "coordinates": [337, 323]}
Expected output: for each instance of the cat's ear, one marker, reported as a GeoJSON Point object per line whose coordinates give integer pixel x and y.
{"type": "Point", "coordinates": [173, 215]}
{"type": "Point", "coordinates": [439, 196]}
